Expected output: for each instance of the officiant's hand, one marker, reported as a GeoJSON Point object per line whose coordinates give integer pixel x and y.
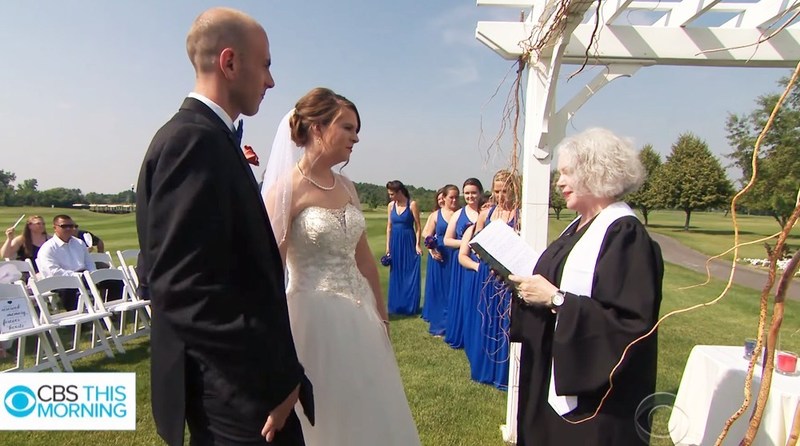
{"type": "Point", "coordinates": [534, 290]}
{"type": "Point", "coordinates": [277, 417]}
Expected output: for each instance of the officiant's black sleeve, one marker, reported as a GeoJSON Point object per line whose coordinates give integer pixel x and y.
{"type": "Point", "coordinates": [593, 332]}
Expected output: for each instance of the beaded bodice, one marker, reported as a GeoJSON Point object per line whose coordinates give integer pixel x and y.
{"type": "Point", "coordinates": [321, 252]}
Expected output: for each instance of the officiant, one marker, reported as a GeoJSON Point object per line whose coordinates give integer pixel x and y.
{"type": "Point", "coordinates": [594, 290]}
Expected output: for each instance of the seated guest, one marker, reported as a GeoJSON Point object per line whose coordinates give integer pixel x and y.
{"type": "Point", "coordinates": [25, 246]}
{"type": "Point", "coordinates": [594, 290]}
{"type": "Point", "coordinates": [65, 255]}
{"type": "Point", "coordinates": [92, 241]}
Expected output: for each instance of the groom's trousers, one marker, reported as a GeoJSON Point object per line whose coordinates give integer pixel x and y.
{"type": "Point", "coordinates": [213, 421]}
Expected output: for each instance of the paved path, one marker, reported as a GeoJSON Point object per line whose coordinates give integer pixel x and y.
{"type": "Point", "coordinates": [679, 254]}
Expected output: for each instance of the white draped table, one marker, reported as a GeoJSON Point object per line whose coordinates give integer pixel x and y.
{"type": "Point", "coordinates": [712, 389]}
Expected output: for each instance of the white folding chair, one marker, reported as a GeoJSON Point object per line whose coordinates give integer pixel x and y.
{"type": "Point", "coordinates": [133, 276]}
{"type": "Point", "coordinates": [15, 295]}
{"type": "Point", "coordinates": [128, 302]}
{"type": "Point", "coordinates": [26, 267]}
{"type": "Point", "coordinates": [23, 266]}
{"type": "Point", "coordinates": [84, 313]}
{"type": "Point", "coordinates": [101, 260]}
{"type": "Point", "coordinates": [128, 258]}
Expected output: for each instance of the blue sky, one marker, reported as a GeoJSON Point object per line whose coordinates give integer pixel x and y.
{"type": "Point", "coordinates": [86, 84]}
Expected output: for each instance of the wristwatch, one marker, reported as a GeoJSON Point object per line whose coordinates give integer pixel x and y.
{"type": "Point", "coordinates": [557, 299]}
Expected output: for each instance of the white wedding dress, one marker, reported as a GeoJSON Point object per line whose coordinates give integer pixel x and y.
{"type": "Point", "coordinates": [340, 338]}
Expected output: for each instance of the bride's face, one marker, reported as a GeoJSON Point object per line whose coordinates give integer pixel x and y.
{"type": "Point", "coordinates": [341, 135]}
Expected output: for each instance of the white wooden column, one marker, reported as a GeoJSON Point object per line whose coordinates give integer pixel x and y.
{"type": "Point", "coordinates": [535, 206]}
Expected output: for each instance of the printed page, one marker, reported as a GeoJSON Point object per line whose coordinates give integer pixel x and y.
{"type": "Point", "coordinates": [504, 250]}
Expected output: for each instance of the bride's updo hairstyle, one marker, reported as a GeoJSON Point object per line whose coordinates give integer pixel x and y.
{"type": "Point", "coordinates": [319, 107]}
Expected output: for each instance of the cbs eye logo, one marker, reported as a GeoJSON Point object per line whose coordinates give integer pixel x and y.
{"type": "Point", "coordinates": [20, 401]}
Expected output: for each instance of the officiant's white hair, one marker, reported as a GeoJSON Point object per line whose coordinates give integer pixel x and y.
{"type": "Point", "coordinates": [602, 163]}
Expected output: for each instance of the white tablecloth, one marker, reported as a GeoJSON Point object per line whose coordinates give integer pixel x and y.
{"type": "Point", "coordinates": [712, 389]}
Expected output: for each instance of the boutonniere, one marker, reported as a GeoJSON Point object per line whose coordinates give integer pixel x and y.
{"type": "Point", "coordinates": [250, 155]}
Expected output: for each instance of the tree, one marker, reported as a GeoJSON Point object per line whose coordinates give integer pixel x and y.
{"type": "Point", "coordinates": [61, 197]}
{"type": "Point", "coordinates": [6, 189]}
{"type": "Point", "coordinates": [646, 198]}
{"type": "Point", "coordinates": [27, 195]}
{"type": "Point", "coordinates": [691, 178]}
{"type": "Point", "coordinates": [557, 201]}
{"type": "Point", "coordinates": [774, 192]}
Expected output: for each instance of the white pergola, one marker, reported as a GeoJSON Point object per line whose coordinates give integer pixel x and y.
{"type": "Point", "coordinates": [675, 32]}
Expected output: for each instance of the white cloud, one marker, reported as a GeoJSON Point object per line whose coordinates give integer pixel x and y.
{"type": "Point", "coordinates": [463, 73]}
{"type": "Point", "coordinates": [456, 26]}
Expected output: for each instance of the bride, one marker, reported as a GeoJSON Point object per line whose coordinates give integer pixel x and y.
{"type": "Point", "coordinates": [336, 308]}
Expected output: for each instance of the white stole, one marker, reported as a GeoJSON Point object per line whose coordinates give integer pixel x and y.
{"type": "Point", "coordinates": [577, 278]}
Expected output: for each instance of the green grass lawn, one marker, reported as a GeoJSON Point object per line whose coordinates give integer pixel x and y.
{"type": "Point", "coordinates": [448, 408]}
{"type": "Point", "coordinates": [712, 232]}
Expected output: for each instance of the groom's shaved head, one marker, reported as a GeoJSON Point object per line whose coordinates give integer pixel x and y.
{"type": "Point", "coordinates": [217, 29]}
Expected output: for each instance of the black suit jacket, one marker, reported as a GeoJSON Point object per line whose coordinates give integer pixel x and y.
{"type": "Point", "coordinates": [211, 267]}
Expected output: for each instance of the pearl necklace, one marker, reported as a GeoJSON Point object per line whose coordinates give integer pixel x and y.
{"type": "Point", "coordinates": [310, 180]}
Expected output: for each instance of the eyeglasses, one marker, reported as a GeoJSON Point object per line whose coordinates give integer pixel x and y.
{"type": "Point", "coordinates": [68, 226]}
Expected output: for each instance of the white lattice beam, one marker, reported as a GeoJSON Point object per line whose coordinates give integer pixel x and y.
{"type": "Point", "coordinates": [759, 14]}
{"type": "Point", "coordinates": [610, 10]}
{"type": "Point", "coordinates": [666, 45]}
{"type": "Point", "coordinates": [685, 12]}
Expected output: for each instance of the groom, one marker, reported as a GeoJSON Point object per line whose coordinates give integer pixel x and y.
{"type": "Point", "coordinates": [223, 357]}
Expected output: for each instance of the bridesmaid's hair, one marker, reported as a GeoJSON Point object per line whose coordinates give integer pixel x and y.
{"type": "Point", "coordinates": [436, 206]}
{"type": "Point", "coordinates": [397, 186]}
{"type": "Point", "coordinates": [319, 107]}
{"type": "Point", "coordinates": [477, 183]}
{"type": "Point", "coordinates": [512, 183]}
{"type": "Point", "coordinates": [448, 187]}
{"type": "Point", "coordinates": [474, 182]}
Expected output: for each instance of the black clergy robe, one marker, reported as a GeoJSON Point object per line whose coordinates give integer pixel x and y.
{"type": "Point", "coordinates": [591, 335]}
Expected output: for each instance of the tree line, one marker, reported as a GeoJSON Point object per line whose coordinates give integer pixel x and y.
{"type": "Point", "coordinates": [693, 179]}
{"type": "Point", "coordinates": [690, 179]}
{"type": "Point", "coordinates": [27, 193]}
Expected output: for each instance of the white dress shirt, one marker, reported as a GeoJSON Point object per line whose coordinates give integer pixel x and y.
{"type": "Point", "coordinates": [59, 258]}
{"type": "Point", "coordinates": [215, 108]}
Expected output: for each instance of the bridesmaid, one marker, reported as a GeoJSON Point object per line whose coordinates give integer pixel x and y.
{"type": "Point", "coordinates": [487, 340]}
{"type": "Point", "coordinates": [458, 224]}
{"type": "Point", "coordinates": [428, 232]}
{"type": "Point", "coordinates": [440, 262]}
{"type": "Point", "coordinates": [403, 233]}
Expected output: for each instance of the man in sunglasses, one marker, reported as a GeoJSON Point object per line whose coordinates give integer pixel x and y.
{"type": "Point", "coordinates": [64, 255]}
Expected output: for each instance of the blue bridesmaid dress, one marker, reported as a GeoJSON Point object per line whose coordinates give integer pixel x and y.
{"type": "Point", "coordinates": [454, 327]}
{"type": "Point", "coordinates": [495, 300]}
{"type": "Point", "coordinates": [437, 281]}
{"type": "Point", "coordinates": [476, 320]}
{"type": "Point", "coordinates": [404, 289]}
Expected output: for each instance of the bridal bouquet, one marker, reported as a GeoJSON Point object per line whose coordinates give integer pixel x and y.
{"type": "Point", "coordinates": [431, 242]}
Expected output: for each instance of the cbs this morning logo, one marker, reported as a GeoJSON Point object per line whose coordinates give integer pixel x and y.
{"type": "Point", "coordinates": [68, 401]}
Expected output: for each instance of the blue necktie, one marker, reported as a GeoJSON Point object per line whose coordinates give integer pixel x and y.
{"type": "Point", "coordinates": [237, 133]}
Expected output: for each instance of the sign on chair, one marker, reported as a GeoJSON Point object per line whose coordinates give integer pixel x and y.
{"type": "Point", "coordinates": [14, 315]}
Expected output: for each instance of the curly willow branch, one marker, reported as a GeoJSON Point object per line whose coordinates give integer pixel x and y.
{"type": "Point", "coordinates": [766, 375]}
{"type": "Point", "coordinates": [756, 420]}
{"type": "Point", "coordinates": [533, 45]}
